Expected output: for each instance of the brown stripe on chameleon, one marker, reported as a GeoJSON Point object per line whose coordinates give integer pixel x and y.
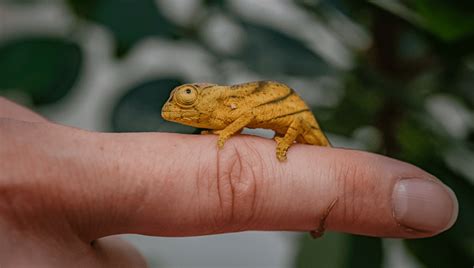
{"type": "Point", "coordinates": [241, 90]}
{"type": "Point", "coordinates": [282, 98]}
{"type": "Point", "coordinates": [240, 86]}
{"type": "Point", "coordinates": [293, 113]}
{"type": "Point", "coordinates": [207, 87]}
{"type": "Point", "coordinates": [260, 87]}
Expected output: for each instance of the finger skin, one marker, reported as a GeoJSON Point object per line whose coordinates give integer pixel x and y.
{"type": "Point", "coordinates": [9, 109]}
{"type": "Point", "coordinates": [182, 185]}
{"type": "Point", "coordinates": [203, 190]}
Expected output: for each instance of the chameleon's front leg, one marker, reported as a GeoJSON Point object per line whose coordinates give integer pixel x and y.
{"type": "Point", "coordinates": [233, 128]}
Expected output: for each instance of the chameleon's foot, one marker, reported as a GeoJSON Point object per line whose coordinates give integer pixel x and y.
{"type": "Point", "coordinates": [222, 139]}
{"type": "Point", "coordinates": [281, 149]}
{"type": "Point", "coordinates": [281, 156]}
{"type": "Point", "coordinates": [220, 143]}
{"type": "Point", "coordinates": [322, 223]}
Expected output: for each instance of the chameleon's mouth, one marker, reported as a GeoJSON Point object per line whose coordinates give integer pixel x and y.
{"type": "Point", "coordinates": [171, 116]}
{"type": "Point", "coordinates": [166, 115]}
{"type": "Point", "coordinates": [178, 116]}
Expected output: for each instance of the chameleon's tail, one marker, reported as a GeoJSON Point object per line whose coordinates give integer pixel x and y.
{"type": "Point", "coordinates": [323, 140]}
{"type": "Point", "coordinates": [314, 135]}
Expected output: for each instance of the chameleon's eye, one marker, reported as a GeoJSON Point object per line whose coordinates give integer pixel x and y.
{"type": "Point", "coordinates": [186, 97]}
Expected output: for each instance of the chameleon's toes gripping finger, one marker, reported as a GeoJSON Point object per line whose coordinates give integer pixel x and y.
{"type": "Point", "coordinates": [281, 153]}
{"type": "Point", "coordinates": [282, 149]}
{"type": "Point", "coordinates": [220, 144]}
{"type": "Point", "coordinates": [281, 156]}
{"type": "Point", "coordinates": [221, 141]}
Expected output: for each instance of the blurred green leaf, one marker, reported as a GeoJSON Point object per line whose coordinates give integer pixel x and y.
{"type": "Point", "coordinates": [274, 53]}
{"type": "Point", "coordinates": [416, 138]}
{"type": "Point", "coordinates": [129, 21]}
{"type": "Point", "coordinates": [439, 251]}
{"type": "Point", "coordinates": [220, 3]}
{"type": "Point", "coordinates": [140, 108]}
{"type": "Point", "coordinates": [45, 68]}
{"type": "Point", "coordinates": [445, 19]}
{"type": "Point", "coordinates": [364, 252]}
{"type": "Point", "coordinates": [340, 250]}
{"type": "Point", "coordinates": [357, 108]}
{"type": "Point", "coordinates": [327, 251]}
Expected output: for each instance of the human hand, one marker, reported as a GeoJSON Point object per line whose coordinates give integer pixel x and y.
{"type": "Point", "coordinates": [62, 190]}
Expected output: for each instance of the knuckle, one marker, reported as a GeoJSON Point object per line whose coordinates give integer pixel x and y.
{"type": "Point", "coordinates": [238, 176]}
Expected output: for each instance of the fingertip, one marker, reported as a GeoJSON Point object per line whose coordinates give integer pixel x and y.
{"type": "Point", "coordinates": [424, 205]}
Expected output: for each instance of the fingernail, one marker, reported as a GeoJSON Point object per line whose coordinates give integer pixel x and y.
{"type": "Point", "coordinates": [424, 205]}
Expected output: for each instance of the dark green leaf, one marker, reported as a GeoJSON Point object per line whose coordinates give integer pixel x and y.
{"type": "Point", "coordinates": [45, 68]}
{"type": "Point", "coordinates": [439, 251]}
{"type": "Point", "coordinates": [448, 21]}
{"type": "Point", "coordinates": [219, 3]}
{"type": "Point", "coordinates": [445, 19]}
{"type": "Point", "coordinates": [328, 251]}
{"type": "Point", "coordinates": [340, 250]}
{"type": "Point", "coordinates": [129, 21]}
{"type": "Point", "coordinates": [364, 252]}
{"type": "Point", "coordinates": [140, 108]}
{"type": "Point", "coordinates": [274, 53]}
{"type": "Point", "coordinates": [358, 108]}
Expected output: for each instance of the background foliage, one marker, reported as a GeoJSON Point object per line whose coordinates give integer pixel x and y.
{"type": "Point", "coordinates": [407, 92]}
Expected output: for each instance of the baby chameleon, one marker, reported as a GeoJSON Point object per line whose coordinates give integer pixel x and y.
{"type": "Point", "coordinates": [226, 110]}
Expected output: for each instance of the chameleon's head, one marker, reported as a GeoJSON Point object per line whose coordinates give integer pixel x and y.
{"type": "Point", "coordinates": [188, 105]}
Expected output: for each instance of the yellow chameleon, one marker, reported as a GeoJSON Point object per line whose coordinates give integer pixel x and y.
{"type": "Point", "coordinates": [226, 110]}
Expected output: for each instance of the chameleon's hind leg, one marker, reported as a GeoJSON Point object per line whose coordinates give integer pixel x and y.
{"type": "Point", "coordinates": [283, 143]}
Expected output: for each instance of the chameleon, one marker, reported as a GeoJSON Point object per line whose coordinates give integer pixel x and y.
{"type": "Point", "coordinates": [226, 110]}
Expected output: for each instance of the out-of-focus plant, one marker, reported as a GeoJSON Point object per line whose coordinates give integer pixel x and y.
{"type": "Point", "coordinates": [408, 94]}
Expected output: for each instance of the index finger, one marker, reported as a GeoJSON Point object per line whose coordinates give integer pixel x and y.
{"type": "Point", "coordinates": [182, 185]}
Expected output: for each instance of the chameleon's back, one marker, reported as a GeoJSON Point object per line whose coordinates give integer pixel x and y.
{"type": "Point", "coordinates": [276, 106]}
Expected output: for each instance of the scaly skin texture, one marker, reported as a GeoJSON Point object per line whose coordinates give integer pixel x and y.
{"type": "Point", "coordinates": [226, 110]}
